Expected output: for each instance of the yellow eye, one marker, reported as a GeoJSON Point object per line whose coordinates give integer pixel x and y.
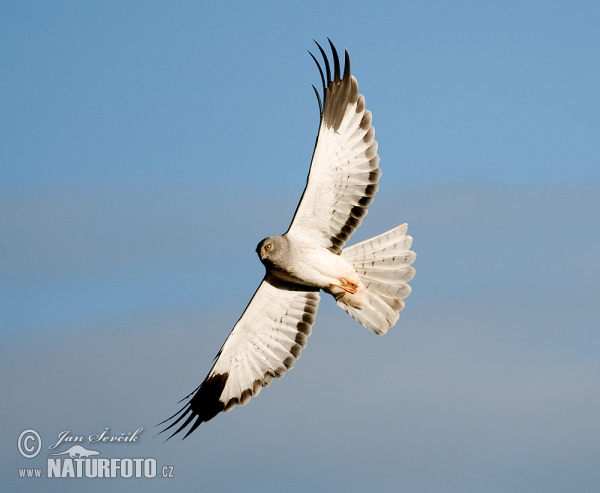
{"type": "Point", "coordinates": [268, 247]}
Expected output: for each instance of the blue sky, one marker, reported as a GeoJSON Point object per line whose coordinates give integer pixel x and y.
{"type": "Point", "coordinates": [146, 148]}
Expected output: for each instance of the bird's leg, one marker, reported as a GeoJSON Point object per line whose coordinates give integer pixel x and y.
{"type": "Point", "coordinates": [350, 283]}
{"type": "Point", "coordinates": [348, 289]}
{"type": "Point", "coordinates": [348, 286]}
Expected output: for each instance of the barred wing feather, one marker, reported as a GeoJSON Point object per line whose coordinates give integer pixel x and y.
{"type": "Point", "coordinates": [265, 343]}
{"type": "Point", "coordinates": [344, 171]}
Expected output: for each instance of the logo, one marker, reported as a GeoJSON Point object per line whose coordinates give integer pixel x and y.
{"type": "Point", "coordinates": [26, 449]}
{"type": "Point", "coordinates": [77, 452]}
{"type": "Point", "coordinates": [78, 461]}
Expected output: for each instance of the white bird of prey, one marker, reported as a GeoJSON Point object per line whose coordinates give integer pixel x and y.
{"type": "Point", "coordinates": [368, 280]}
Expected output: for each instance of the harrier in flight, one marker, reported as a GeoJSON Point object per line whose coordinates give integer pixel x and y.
{"type": "Point", "coordinates": [368, 280]}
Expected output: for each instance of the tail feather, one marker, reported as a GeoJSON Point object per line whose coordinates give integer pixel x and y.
{"type": "Point", "coordinates": [388, 260]}
{"type": "Point", "coordinates": [370, 318]}
{"type": "Point", "coordinates": [399, 291]}
{"type": "Point", "coordinates": [383, 264]}
{"type": "Point", "coordinates": [388, 276]}
{"type": "Point", "coordinates": [395, 239]}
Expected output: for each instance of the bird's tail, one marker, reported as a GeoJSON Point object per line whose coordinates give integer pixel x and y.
{"type": "Point", "coordinates": [383, 265]}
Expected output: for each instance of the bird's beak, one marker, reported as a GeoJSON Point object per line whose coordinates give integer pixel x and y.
{"type": "Point", "coordinates": [262, 254]}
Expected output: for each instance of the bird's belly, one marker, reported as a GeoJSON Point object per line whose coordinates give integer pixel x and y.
{"type": "Point", "coordinates": [319, 268]}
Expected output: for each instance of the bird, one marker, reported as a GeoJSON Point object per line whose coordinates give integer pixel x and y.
{"type": "Point", "coordinates": [368, 280]}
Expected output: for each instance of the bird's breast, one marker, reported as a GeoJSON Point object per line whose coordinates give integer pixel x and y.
{"type": "Point", "coordinates": [313, 266]}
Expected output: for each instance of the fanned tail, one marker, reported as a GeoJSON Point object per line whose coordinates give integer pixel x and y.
{"type": "Point", "coordinates": [383, 264]}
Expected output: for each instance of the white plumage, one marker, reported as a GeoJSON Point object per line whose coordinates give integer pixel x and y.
{"type": "Point", "coordinates": [383, 265]}
{"type": "Point", "coordinates": [266, 341]}
{"type": "Point", "coordinates": [368, 280]}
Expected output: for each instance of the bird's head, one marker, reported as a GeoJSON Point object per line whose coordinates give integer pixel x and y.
{"type": "Point", "coordinates": [272, 249]}
{"type": "Point", "coordinates": [264, 248]}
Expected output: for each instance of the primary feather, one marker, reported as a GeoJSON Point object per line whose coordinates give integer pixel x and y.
{"type": "Point", "coordinates": [344, 171]}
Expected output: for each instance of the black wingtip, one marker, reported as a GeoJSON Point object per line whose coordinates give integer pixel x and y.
{"type": "Point", "coordinates": [320, 71]}
{"type": "Point", "coordinates": [185, 423]}
{"type": "Point", "coordinates": [183, 413]}
{"type": "Point", "coordinates": [197, 423]}
{"type": "Point", "coordinates": [346, 64]}
{"type": "Point", "coordinates": [318, 99]}
{"type": "Point", "coordinates": [168, 419]}
{"type": "Point", "coordinates": [336, 62]}
{"type": "Point", "coordinates": [327, 67]}
{"type": "Point", "coordinates": [203, 406]}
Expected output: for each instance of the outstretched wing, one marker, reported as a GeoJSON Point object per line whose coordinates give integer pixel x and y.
{"type": "Point", "coordinates": [265, 343]}
{"type": "Point", "coordinates": [344, 170]}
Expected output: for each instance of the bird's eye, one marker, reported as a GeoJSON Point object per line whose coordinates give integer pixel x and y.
{"type": "Point", "coordinates": [268, 247]}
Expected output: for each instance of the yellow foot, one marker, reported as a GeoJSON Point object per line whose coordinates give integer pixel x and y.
{"type": "Point", "coordinates": [348, 286]}
{"type": "Point", "coordinates": [348, 289]}
{"type": "Point", "coordinates": [350, 283]}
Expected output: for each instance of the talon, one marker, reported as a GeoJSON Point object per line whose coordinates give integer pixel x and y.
{"type": "Point", "coordinates": [348, 289]}
{"type": "Point", "coordinates": [350, 283]}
